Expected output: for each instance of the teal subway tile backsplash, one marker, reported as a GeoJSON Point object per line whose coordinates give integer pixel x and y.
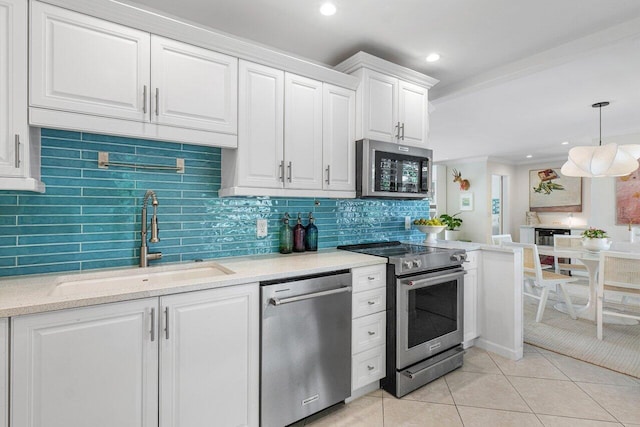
{"type": "Point", "coordinates": [90, 218]}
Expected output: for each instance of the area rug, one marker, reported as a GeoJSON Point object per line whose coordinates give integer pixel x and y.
{"type": "Point", "coordinates": [557, 332]}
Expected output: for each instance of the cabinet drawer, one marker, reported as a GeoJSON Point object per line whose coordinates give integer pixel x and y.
{"type": "Point", "coordinates": [367, 367]}
{"type": "Point", "coordinates": [472, 260]}
{"type": "Point", "coordinates": [368, 332]}
{"type": "Point", "coordinates": [369, 302]}
{"type": "Point", "coordinates": [366, 278]}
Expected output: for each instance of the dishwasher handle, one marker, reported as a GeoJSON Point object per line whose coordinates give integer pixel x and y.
{"type": "Point", "coordinates": [280, 301]}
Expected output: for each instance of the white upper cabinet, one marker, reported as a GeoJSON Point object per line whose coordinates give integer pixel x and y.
{"type": "Point", "coordinates": [302, 132]}
{"type": "Point", "coordinates": [413, 113]}
{"type": "Point", "coordinates": [392, 102]}
{"type": "Point", "coordinates": [339, 129]}
{"type": "Point", "coordinates": [260, 153]}
{"type": "Point", "coordinates": [380, 106]}
{"type": "Point", "coordinates": [296, 137]}
{"type": "Point", "coordinates": [90, 74]}
{"type": "Point", "coordinates": [19, 149]}
{"type": "Point", "coordinates": [87, 65]}
{"type": "Point", "coordinates": [193, 87]}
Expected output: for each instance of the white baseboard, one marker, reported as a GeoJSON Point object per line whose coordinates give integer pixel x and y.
{"type": "Point", "coordinates": [500, 350]}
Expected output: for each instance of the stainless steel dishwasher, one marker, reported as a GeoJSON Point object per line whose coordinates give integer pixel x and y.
{"type": "Point", "coordinates": [305, 346]}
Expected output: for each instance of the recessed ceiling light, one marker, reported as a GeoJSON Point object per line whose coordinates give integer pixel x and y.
{"type": "Point", "coordinates": [433, 57]}
{"type": "Point", "coordinates": [529, 156]}
{"type": "Point", "coordinates": [564, 143]}
{"type": "Point", "coordinates": [328, 9]}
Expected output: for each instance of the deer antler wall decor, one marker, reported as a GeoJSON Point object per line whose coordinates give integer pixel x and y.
{"type": "Point", "coordinates": [457, 177]}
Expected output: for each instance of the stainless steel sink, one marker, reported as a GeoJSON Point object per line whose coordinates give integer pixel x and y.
{"type": "Point", "coordinates": [138, 279]}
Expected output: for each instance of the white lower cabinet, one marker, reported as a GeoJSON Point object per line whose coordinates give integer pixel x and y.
{"type": "Point", "coordinates": [4, 372]}
{"type": "Point", "coordinates": [209, 358]}
{"type": "Point", "coordinates": [98, 365]}
{"type": "Point", "coordinates": [368, 330]}
{"type": "Point", "coordinates": [470, 322]}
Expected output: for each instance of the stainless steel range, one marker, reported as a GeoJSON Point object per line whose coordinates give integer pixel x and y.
{"type": "Point", "coordinates": [424, 312]}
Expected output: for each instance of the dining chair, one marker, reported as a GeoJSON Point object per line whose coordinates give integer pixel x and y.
{"type": "Point", "coordinates": [620, 273]}
{"type": "Point", "coordinates": [545, 281]}
{"type": "Point", "coordinates": [570, 243]}
{"type": "Point", "coordinates": [499, 239]}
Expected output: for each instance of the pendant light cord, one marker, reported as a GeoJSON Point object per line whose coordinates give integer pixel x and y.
{"type": "Point", "coordinates": [599, 106]}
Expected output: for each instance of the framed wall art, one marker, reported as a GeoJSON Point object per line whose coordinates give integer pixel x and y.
{"type": "Point", "coordinates": [628, 199]}
{"type": "Point", "coordinates": [466, 201]}
{"type": "Point", "coordinates": [550, 191]}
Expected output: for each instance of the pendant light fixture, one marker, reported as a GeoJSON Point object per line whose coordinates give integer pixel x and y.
{"type": "Point", "coordinates": [602, 160]}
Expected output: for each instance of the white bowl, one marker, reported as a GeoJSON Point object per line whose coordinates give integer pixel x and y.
{"type": "Point", "coordinates": [596, 244]}
{"type": "Point", "coordinates": [431, 231]}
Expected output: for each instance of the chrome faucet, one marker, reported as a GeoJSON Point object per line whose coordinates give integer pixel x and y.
{"type": "Point", "coordinates": [145, 255]}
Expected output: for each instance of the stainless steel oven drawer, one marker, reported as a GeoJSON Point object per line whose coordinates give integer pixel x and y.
{"type": "Point", "coordinates": [428, 370]}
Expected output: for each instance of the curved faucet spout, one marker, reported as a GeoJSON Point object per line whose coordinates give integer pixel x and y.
{"type": "Point", "coordinates": [145, 256]}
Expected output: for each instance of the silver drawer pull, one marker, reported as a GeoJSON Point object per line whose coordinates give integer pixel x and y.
{"type": "Point", "coordinates": [371, 302]}
{"type": "Point", "coordinates": [371, 333]}
{"type": "Point", "coordinates": [371, 368]}
{"type": "Point", "coordinates": [371, 278]}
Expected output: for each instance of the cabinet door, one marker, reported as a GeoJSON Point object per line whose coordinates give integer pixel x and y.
{"type": "Point", "coordinates": [470, 322]}
{"type": "Point", "coordinates": [380, 109]}
{"type": "Point", "coordinates": [260, 161]}
{"type": "Point", "coordinates": [87, 65]}
{"type": "Point", "coordinates": [527, 235]}
{"type": "Point", "coordinates": [4, 372]}
{"type": "Point", "coordinates": [193, 87]}
{"type": "Point", "coordinates": [302, 132]}
{"type": "Point", "coordinates": [13, 87]}
{"type": "Point", "coordinates": [209, 358]}
{"type": "Point", "coordinates": [338, 136]}
{"type": "Point", "coordinates": [95, 366]}
{"type": "Point", "coordinates": [413, 113]}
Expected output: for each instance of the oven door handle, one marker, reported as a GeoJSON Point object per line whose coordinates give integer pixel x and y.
{"type": "Point", "coordinates": [421, 283]}
{"type": "Point", "coordinates": [280, 301]}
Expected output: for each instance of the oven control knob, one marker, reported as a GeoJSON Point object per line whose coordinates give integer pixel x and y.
{"type": "Point", "coordinates": [407, 264]}
{"type": "Point", "coordinates": [417, 263]}
{"type": "Point", "coordinates": [459, 257]}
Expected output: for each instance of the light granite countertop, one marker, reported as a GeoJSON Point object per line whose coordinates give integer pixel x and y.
{"type": "Point", "coordinates": [47, 292]}
{"type": "Point", "coordinates": [558, 226]}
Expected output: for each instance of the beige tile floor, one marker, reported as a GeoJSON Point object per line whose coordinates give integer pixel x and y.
{"type": "Point", "coordinates": [542, 389]}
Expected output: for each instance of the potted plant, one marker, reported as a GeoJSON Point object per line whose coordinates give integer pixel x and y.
{"type": "Point", "coordinates": [453, 223]}
{"type": "Point", "coordinates": [595, 239]}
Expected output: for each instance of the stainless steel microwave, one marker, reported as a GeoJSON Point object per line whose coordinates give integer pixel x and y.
{"type": "Point", "coordinates": [392, 171]}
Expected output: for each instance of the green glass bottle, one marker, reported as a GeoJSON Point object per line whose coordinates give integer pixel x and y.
{"type": "Point", "coordinates": [286, 236]}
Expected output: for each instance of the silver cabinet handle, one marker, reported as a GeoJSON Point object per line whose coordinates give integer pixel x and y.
{"type": "Point", "coordinates": [144, 99]}
{"type": "Point", "coordinates": [402, 127]}
{"type": "Point", "coordinates": [371, 368]}
{"type": "Point", "coordinates": [371, 302]}
{"type": "Point", "coordinates": [282, 170]}
{"type": "Point", "coordinates": [371, 333]}
{"type": "Point", "coordinates": [157, 101]}
{"type": "Point", "coordinates": [166, 322]}
{"type": "Point", "coordinates": [328, 174]}
{"type": "Point", "coordinates": [17, 153]}
{"type": "Point", "coordinates": [278, 301]}
{"type": "Point", "coordinates": [397, 135]}
{"type": "Point", "coordinates": [371, 278]}
{"type": "Point", "coordinates": [153, 324]}
{"type": "Point", "coordinates": [289, 172]}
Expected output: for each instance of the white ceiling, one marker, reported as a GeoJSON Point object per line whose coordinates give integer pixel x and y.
{"type": "Point", "coordinates": [516, 76]}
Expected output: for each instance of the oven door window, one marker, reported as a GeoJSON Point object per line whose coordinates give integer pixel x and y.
{"type": "Point", "coordinates": [432, 312]}
{"type": "Point", "coordinates": [397, 173]}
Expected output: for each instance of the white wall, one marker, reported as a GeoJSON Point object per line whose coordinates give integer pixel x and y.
{"type": "Point", "coordinates": [510, 222]}
{"type": "Point", "coordinates": [476, 223]}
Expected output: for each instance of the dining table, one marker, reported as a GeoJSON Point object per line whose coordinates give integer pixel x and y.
{"type": "Point", "coordinates": [591, 260]}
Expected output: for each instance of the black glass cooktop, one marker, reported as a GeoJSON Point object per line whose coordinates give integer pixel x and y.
{"type": "Point", "coordinates": [392, 249]}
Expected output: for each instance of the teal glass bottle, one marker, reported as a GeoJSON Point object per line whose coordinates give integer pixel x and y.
{"type": "Point", "coordinates": [298, 236]}
{"type": "Point", "coordinates": [286, 236]}
{"type": "Point", "coordinates": [311, 238]}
